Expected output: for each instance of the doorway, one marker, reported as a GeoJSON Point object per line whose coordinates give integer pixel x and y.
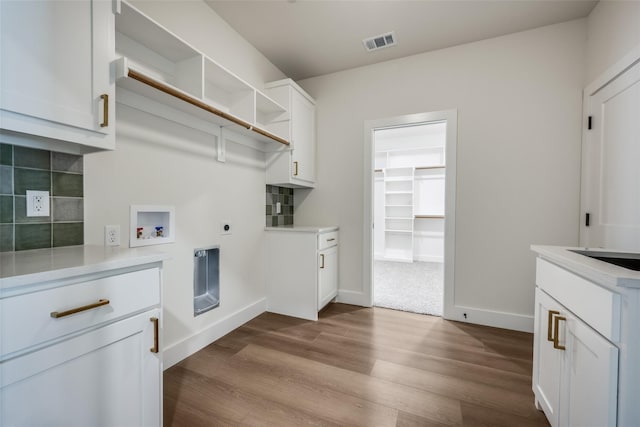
{"type": "Point", "coordinates": [411, 207]}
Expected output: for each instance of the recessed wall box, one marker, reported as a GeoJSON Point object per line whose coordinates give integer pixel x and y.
{"type": "Point", "coordinates": [206, 279]}
{"type": "Point", "coordinates": [151, 225]}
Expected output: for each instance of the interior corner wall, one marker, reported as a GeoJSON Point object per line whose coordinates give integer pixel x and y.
{"type": "Point", "coordinates": [158, 162]}
{"type": "Point", "coordinates": [613, 29]}
{"type": "Point", "coordinates": [519, 102]}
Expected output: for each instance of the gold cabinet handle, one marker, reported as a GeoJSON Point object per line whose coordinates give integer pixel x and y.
{"type": "Point", "coordinates": [322, 260]}
{"type": "Point", "coordinates": [105, 111]}
{"type": "Point", "coordinates": [156, 346]}
{"type": "Point", "coordinates": [295, 164]}
{"type": "Point", "coordinates": [550, 324]}
{"type": "Point", "coordinates": [556, 338]}
{"type": "Point", "coordinates": [59, 314]}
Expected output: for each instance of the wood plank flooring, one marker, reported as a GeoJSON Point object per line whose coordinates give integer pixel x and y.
{"type": "Point", "coordinates": [356, 367]}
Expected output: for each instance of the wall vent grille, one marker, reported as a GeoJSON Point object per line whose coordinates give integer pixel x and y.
{"type": "Point", "coordinates": [380, 42]}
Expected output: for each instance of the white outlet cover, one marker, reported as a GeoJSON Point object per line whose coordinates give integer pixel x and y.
{"type": "Point", "coordinates": [112, 235]}
{"type": "Point", "coordinates": [37, 203]}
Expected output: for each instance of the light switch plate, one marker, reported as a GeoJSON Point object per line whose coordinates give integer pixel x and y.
{"type": "Point", "coordinates": [37, 203]}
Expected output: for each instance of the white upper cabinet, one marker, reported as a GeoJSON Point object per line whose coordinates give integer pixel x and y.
{"type": "Point", "coordinates": [297, 167]}
{"type": "Point", "coordinates": [611, 154]}
{"type": "Point", "coordinates": [55, 77]}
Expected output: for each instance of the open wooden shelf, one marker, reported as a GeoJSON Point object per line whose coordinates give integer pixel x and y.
{"type": "Point", "coordinates": [158, 65]}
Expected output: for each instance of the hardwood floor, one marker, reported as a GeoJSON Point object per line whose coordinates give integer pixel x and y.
{"type": "Point", "coordinates": [357, 367]}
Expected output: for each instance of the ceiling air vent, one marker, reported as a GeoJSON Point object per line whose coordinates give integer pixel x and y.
{"type": "Point", "coordinates": [379, 42]}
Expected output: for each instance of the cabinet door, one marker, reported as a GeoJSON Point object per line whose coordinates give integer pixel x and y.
{"type": "Point", "coordinates": [327, 276]}
{"type": "Point", "coordinates": [303, 136]}
{"type": "Point", "coordinates": [611, 189]}
{"type": "Point", "coordinates": [106, 377]}
{"type": "Point", "coordinates": [55, 67]}
{"type": "Point", "coordinates": [591, 393]}
{"type": "Point", "coordinates": [547, 360]}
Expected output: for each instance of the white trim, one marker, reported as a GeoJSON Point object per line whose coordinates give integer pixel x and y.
{"type": "Point", "coordinates": [451, 118]}
{"type": "Point", "coordinates": [496, 319]}
{"type": "Point", "coordinates": [188, 346]}
{"type": "Point", "coordinates": [353, 298]}
{"type": "Point", "coordinates": [614, 71]}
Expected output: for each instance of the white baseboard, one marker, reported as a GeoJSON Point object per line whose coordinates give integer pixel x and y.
{"type": "Point", "coordinates": [185, 348]}
{"type": "Point", "coordinates": [497, 319]}
{"type": "Point", "coordinates": [353, 298]}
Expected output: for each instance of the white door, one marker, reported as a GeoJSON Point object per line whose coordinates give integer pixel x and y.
{"type": "Point", "coordinates": [611, 180]}
{"type": "Point", "coordinates": [303, 126]}
{"type": "Point", "coordinates": [107, 377]}
{"type": "Point", "coordinates": [591, 394]}
{"type": "Point", "coordinates": [327, 276]}
{"type": "Point", "coordinates": [55, 66]}
{"type": "Point", "coordinates": [547, 360]}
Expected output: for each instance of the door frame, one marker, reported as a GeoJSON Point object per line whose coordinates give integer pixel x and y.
{"type": "Point", "coordinates": [608, 76]}
{"type": "Point", "coordinates": [451, 119]}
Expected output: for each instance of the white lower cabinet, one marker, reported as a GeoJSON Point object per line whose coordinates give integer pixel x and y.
{"type": "Point", "coordinates": [302, 270]}
{"type": "Point", "coordinates": [83, 352]}
{"type": "Point", "coordinates": [575, 375]}
{"type": "Point", "coordinates": [327, 276]}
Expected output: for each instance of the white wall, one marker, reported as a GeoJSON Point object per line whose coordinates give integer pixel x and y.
{"type": "Point", "coordinates": [519, 110]}
{"type": "Point", "coordinates": [613, 31]}
{"type": "Point", "coordinates": [159, 162]}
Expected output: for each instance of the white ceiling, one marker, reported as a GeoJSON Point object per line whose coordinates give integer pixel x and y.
{"type": "Point", "coordinates": [307, 38]}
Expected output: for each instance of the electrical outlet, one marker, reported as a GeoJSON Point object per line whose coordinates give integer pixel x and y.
{"type": "Point", "coordinates": [112, 235]}
{"type": "Point", "coordinates": [278, 208]}
{"type": "Point", "coordinates": [225, 228]}
{"type": "Point", "coordinates": [37, 203]}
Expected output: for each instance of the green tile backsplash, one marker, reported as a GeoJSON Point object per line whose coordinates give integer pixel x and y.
{"type": "Point", "coordinates": [31, 158]}
{"type": "Point", "coordinates": [283, 195]}
{"type": "Point", "coordinates": [60, 174]}
{"type": "Point", "coordinates": [32, 236]}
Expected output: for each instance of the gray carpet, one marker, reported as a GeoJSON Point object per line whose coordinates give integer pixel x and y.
{"type": "Point", "coordinates": [416, 287]}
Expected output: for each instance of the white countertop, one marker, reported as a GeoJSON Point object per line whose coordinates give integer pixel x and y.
{"type": "Point", "coordinates": [38, 265]}
{"type": "Point", "coordinates": [593, 269]}
{"type": "Point", "coordinates": [303, 228]}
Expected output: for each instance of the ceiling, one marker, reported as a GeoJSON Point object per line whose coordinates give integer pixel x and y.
{"type": "Point", "coordinates": [307, 38]}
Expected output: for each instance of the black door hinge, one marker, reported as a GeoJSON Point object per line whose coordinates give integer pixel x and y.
{"type": "Point", "coordinates": [587, 219]}
{"type": "Point", "coordinates": [589, 122]}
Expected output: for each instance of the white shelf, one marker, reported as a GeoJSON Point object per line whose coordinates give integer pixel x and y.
{"type": "Point", "coordinates": [169, 71]}
{"type": "Point", "coordinates": [398, 231]}
{"type": "Point", "coordinates": [400, 179]}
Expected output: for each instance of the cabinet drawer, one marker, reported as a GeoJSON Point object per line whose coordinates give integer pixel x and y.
{"type": "Point", "coordinates": [326, 240]}
{"type": "Point", "coordinates": [595, 305]}
{"type": "Point", "coordinates": [27, 320]}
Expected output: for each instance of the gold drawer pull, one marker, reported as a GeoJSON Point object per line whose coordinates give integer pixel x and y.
{"type": "Point", "coordinates": [156, 346]}
{"type": "Point", "coordinates": [105, 111]}
{"type": "Point", "coordinates": [322, 258]}
{"type": "Point", "coordinates": [59, 314]}
{"type": "Point", "coordinates": [550, 324]}
{"type": "Point", "coordinates": [556, 338]}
